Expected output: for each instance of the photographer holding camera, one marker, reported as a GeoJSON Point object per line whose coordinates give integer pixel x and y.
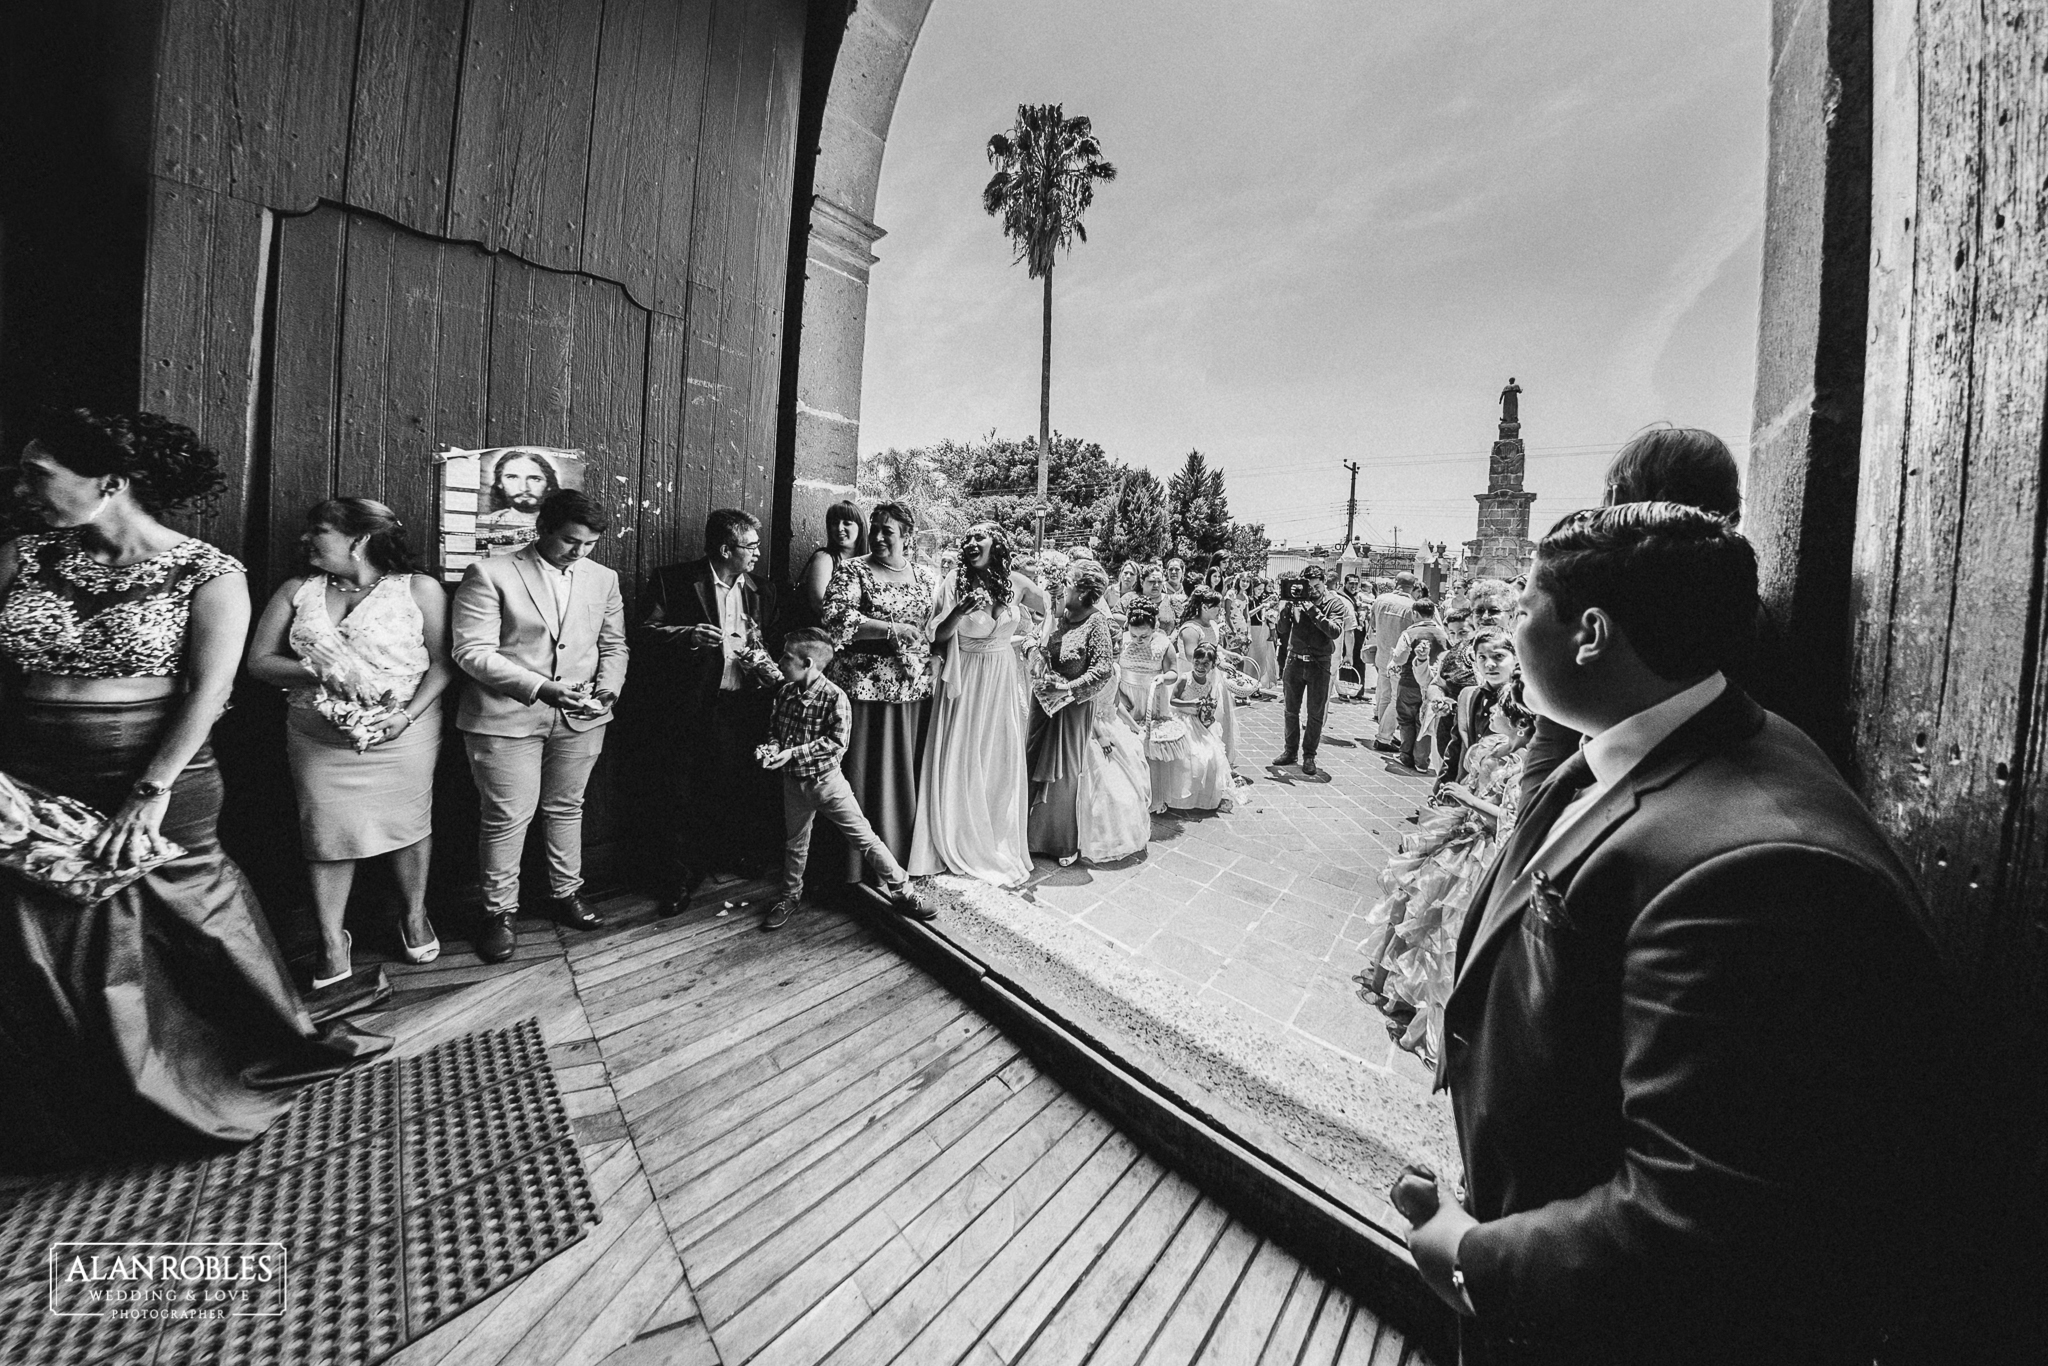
{"type": "Point", "coordinates": [1311, 621]}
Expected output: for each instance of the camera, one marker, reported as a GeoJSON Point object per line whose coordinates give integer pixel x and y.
{"type": "Point", "coordinates": [1294, 589]}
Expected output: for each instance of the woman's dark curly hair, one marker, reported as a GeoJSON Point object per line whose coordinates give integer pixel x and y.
{"type": "Point", "coordinates": [994, 580]}
{"type": "Point", "coordinates": [385, 546]}
{"type": "Point", "coordinates": [164, 462]}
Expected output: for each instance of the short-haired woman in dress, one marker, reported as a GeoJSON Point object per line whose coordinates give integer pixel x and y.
{"type": "Point", "coordinates": [879, 613]}
{"type": "Point", "coordinates": [161, 1013]}
{"type": "Point", "coordinates": [361, 642]}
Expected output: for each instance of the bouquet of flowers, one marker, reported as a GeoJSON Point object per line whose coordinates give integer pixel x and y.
{"type": "Point", "coordinates": [351, 698]}
{"type": "Point", "coordinates": [1050, 699]}
{"type": "Point", "coordinates": [43, 838]}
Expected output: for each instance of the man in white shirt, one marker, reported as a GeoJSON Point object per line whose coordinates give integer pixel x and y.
{"type": "Point", "coordinates": [1696, 1044]}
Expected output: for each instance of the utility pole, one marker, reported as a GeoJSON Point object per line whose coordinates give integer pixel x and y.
{"type": "Point", "coordinates": [1351, 507]}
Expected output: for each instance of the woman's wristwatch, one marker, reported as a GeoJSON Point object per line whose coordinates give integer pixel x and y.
{"type": "Point", "coordinates": [149, 791]}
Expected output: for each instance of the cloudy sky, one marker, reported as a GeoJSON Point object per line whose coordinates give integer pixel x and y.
{"type": "Point", "coordinates": [1338, 227]}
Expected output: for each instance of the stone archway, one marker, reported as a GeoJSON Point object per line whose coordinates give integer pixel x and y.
{"type": "Point", "coordinates": [874, 55]}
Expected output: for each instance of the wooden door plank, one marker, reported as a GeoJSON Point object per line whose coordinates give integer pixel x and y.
{"type": "Point", "coordinates": [1253, 1315]}
{"type": "Point", "coordinates": [522, 133]}
{"type": "Point", "coordinates": [643, 157]}
{"type": "Point", "coordinates": [673, 510]}
{"type": "Point", "coordinates": [367, 371]}
{"type": "Point", "coordinates": [1195, 1315]}
{"type": "Point", "coordinates": [203, 297]}
{"type": "Point", "coordinates": [1131, 1322]}
{"type": "Point", "coordinates": [1297, 1320]}
{"type": "Point", "coordinates": [1173, 1219]}
{"type": "Point", "coordinates": [607, 403]}
{"type": "Point", "coordinates": [978, 1291]}
{"type": "Point", "coordinates": [603, 957]}
{"type": "Point", "coordinates": [754, 1299]}
{"type": "Point", "coordinates": [1048, 1288]}
{"type": "Point", "coordinates": [719, 1182]}
{"type": "Point", "coordinates": [844, 1044]}
{"type": "Point", "coordinates": [403, 130]}
{"type": "Point", "coordinates": [1370, 1341]}
{"type": "Point", "coordinates": [532, 345]}
{"type": "Point", "coordinates": [306, 361]}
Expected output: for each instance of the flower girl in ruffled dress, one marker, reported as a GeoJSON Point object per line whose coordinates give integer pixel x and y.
{"type": "Point", "coordinates": [1144, 673]}
{"type": "Point", "coordinates": [1199, 779]}
{"type": "Point", "coordinates": [1411, 932]}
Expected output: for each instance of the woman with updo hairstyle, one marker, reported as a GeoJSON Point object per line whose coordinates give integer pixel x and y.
{"type": "Point", "coordinates": [971, 802]}
{"type": "Point", "coordinates": [158, 1013]}
{"type": "Point", "coordinates": [1090, 794]}
{"type": "Point", "coordinates": [360, 642]}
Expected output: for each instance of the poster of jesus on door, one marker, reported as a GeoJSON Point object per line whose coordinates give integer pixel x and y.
{"type": "Point", "coordinates": [489, 498]}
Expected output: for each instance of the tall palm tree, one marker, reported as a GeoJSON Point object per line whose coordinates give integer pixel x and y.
{"type": "Point", "coordinates": [1046, 169]}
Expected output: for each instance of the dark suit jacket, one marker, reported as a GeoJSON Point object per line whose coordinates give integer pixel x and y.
{"type": "Point", "coordinates": [1694, 1065]}
{"type": "Point", "coordinates": [680, 596]}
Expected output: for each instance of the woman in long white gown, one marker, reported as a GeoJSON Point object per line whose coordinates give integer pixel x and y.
{"type": "Point", "coordinates": [974, 798]}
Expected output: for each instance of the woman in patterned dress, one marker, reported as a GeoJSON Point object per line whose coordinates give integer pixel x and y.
{"type": "Point", "coordinates": [161, 1015]}
{"type": "Point", "coordinates": [879, 613]}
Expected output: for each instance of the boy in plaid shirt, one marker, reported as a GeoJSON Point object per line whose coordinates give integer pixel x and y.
{"type": "Point", "coordinates": [807, 733]}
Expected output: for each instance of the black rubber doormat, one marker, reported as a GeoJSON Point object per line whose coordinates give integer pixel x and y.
{"type": "Point", "coordinates": [385, 1202]}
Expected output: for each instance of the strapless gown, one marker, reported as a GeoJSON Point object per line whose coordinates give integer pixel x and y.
{"type": "Point", "coordinates": [975, 794]}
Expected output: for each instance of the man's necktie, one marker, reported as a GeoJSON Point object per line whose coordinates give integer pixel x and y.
{"type": "Point", "coordinates": [1573, 776]}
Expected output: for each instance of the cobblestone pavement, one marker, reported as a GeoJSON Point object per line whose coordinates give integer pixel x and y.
{"type": "Point", "coordinates": [1264, 907]}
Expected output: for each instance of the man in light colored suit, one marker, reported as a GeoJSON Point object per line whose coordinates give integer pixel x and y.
{"type": "Point", "coordinates": [542, 635]}
{"type": "Point", "coordinates": [1393, 612]}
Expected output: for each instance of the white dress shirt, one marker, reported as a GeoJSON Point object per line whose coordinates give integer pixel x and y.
{"type": "Point", "coordinates": [1615, 751]}
{"type": "Point", "coordinates": [732, 627]}
{"type": "Point", "coordinates": [560, 584]}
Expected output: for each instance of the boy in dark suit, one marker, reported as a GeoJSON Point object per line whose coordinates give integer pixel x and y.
{"type": "Point", "coordinates": [1694, 1042]}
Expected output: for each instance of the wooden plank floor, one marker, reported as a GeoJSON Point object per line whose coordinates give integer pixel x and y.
{"type": "Point", "coordinates": [805, 1150]}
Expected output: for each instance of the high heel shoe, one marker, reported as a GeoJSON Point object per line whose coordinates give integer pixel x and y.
{"type": "Point", "coordinates": [348, 951]}
{"type": "Point", "coordinates": [425, 953]}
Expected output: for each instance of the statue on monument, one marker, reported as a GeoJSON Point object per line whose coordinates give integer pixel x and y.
{"type": "Point", "coordinates": [1510, 402]}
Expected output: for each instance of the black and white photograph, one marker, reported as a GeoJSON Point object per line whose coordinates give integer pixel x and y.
{"type": "Point", "coordinates": [1061, 683]}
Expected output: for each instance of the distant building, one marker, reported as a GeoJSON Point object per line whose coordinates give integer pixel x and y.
{"type": "Point", "coordinates": [1502, 548]}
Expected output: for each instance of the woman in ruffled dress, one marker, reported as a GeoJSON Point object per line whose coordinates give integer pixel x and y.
{"type": "Point", "coordinates": [1089, 790]}
{"type": "Point", "coordinates": [1144, 672]}
{"type": "Point", "coordinates": [1411, 932]}
{"type": "Point", "coordinates": [163, 1013]}
{"type": "Point", "coordinates": [973, 802]}
{"type": "Point", "coordinates": [361, 643]}
{"type": "Point", "coordinates": [879, 613]}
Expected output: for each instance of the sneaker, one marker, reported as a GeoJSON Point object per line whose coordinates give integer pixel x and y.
{"type": "Point", "coordinates": [779, 913]}
{"type": "Point", "coordinates": [903, 898]}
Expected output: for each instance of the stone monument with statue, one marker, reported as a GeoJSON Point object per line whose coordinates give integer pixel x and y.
{"type": "Point", "coordinates": [1503, 548]}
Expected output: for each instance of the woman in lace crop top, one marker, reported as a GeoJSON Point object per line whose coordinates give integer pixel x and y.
{"type": "Point", "coordinates": [112, 606]}
{"type": "Point", "coordinates": [127, 635]}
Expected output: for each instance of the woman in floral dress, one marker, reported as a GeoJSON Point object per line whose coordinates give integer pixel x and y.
{"type": "Point", "coordinates": [879, 610]}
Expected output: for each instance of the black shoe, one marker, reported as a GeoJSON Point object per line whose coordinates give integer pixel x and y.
{"type": "Point", "coordinates": [681, 894]}
{"type": "Point", "coordinates": [571, 911]}
{"type": "Point", "coordinates": [1387, 746]}
{"type": "Point", "coordinates": [779, 913]}
{"type": "Point", "coordinates": [1309, 769]}
{"type": "Point", "coordinates": [903, 898]}
{"type": "Point", "coordinates": [1283, 761]}
{"type": "Point", "coordinates": [1406, 769]}
{"type": "Point", "coordinates": [495, 941]}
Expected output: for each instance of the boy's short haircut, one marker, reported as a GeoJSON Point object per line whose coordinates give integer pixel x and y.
{"type": "Point", "coordinates": [811, 643]}
{"type": "Point", "coordinates": [1425, 608]}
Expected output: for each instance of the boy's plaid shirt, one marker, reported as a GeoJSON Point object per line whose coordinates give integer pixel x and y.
{"type": "Point", "coordinates": [814, 720]}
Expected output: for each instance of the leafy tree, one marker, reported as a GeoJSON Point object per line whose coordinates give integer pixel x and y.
{"type": "Point", "coordinates": [927, 480]}
{"type": "Point", "coordinates": [1046, 169]}
{"type": "Point", "coordinates": [1249, 547]}
{"type": "Point", "coordinates": [1000, 484]}
{"type": "Point", "coordinates": [1136, 525]}
{"type": "Point", "coordinates": [1199, 511]}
